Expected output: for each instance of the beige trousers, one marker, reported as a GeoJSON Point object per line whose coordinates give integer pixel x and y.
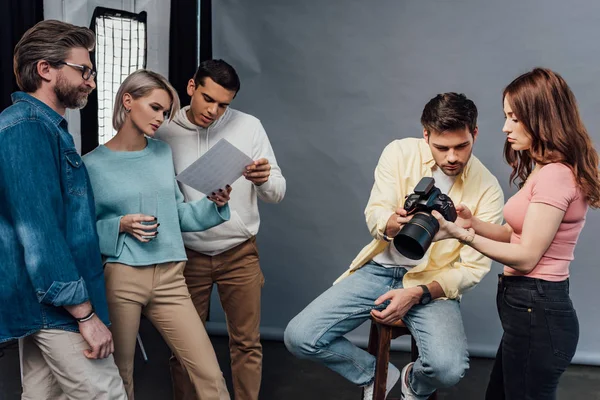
{"type": "Point", "coordinates": [239, 281]}
{"type": "Point", "coordinates": [55, 368]}
{"type": "Point", "coordinates": [160, 293]}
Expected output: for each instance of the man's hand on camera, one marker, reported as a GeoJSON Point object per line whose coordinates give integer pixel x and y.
{"type": "Point", "coordinates": [401, 300]}
{"type": "Point", "coordinates": [396, 221]}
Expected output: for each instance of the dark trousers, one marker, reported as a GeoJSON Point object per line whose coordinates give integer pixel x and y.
{"type": "Point", "coordinates": [541, 332]}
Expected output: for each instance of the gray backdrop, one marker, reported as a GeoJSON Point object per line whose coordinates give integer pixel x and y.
{"type": "Point", "coordinates": [335, 81]}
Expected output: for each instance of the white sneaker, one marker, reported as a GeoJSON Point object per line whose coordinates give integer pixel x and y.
{"type": "Point", "coordinates": [407, 393]}
{"type": "Point", "coordinates": [392, 378]}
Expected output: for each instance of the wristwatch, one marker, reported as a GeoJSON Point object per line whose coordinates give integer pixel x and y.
{"type": "Point", "coordinates": [426, 296]}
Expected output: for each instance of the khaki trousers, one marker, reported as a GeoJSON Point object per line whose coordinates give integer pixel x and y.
{"type": "Point", "coordinates": [160, 293]}
{"type": "Point", "coordinates": [55, 368]}
{"type": "Point", "coordinates": [239, 281]}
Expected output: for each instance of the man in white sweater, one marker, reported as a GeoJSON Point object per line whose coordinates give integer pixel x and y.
{"type": "Point", "coordinates": [226, 254]}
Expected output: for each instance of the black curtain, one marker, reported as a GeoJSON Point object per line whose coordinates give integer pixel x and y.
{"type": "Point", "coordinates": [183, 41]}
{"type": "Point", "coordinates": [16, 17]}
{"type": "Point", "coordinates": [183, 45]}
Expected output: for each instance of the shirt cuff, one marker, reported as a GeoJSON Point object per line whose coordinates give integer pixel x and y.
{"type": "Point", "coordinates": [65, 294]}
{"type": "Point", "coordinates": [382, 224]}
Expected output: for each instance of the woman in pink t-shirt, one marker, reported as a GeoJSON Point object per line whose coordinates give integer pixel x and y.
{"type": "Point", "coordinates": [556, 167]}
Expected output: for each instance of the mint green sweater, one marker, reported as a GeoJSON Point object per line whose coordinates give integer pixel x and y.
{"type": "Point", "coordinates": [119, 179]}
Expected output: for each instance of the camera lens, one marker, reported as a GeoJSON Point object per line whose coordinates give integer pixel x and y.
{"type": "Point", "coordinates": [415, 237]}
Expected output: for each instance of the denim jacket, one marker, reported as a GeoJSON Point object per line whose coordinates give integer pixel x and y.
{"type": "Point", "coordinates": [49, 249]}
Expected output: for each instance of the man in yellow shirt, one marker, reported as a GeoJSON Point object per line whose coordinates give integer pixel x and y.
{"type": "Point", "coordinates": [383, 283]}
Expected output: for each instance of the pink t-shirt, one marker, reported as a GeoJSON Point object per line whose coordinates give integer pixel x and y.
{"type": "Point", "coordinates": [553, 184]}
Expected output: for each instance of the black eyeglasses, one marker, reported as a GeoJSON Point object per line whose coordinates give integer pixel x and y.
{"type": "Point", "coordinates": [86, 72]}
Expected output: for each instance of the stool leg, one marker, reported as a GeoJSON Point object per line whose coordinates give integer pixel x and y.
{"type": "Point", "coordinates": [383, 359]}
{"type": "Point", "coordinates": [373, 346]}
{"type": "Point", "coordinates": [373, 339]}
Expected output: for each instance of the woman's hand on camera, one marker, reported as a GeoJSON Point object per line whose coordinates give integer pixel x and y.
{"type": "Point", "coordinates": [450, 230]}
{"type": "Point", "coordinates": [221, 196]}
{"type": "Point", "coordinates": [465, 216]}
{"type": "Point", "coordinates": [132, 224]}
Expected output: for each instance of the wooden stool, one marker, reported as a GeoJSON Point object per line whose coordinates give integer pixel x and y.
{"type": "Point", "coordinates": [380, 339]}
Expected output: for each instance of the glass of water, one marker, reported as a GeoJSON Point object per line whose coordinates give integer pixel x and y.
{"type": "Point", "coordinates": [148, 205]}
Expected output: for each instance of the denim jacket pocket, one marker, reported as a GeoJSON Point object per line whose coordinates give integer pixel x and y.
{"type": "Point", "coordinates": [563, 328]}
{"type": "Point", "coordinates": [76, 177]}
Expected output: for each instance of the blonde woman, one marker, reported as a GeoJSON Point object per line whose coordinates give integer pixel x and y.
{"type": "Point", "coordinates": [140, 216]}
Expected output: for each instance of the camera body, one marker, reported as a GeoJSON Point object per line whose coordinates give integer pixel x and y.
{"type": "Point", "coordinates": [416, 236]}
{"type": "Point", "coordinates": [427, 197]}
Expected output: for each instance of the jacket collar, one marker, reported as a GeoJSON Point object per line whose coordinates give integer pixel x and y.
{"type": "Point", "coordinates": [52, 115]}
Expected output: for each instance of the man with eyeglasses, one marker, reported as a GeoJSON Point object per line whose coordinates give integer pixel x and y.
{"type": "Point", "coordinates": [51, 275]}
{"type": "Point", "coordinates": [87, 73]}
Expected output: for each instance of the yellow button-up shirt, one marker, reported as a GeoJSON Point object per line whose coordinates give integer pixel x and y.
{"type": "Point", "coordinates": [454, 266]}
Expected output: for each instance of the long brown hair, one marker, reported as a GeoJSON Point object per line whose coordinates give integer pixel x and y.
{"type": "Point", "coordinates": [545, 105]}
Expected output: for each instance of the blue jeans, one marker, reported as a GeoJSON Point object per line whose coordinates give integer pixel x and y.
{"type": "Point", "coordinates": [540, 337]}
{"type": "Point", "coordinates": [317, 333]}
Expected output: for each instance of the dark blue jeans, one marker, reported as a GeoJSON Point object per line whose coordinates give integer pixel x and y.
{"type": "Point", "coordinates": [541, 332]}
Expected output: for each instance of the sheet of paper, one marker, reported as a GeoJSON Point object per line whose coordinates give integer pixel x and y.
{"type": "Point", "coordinates": [221, 165]}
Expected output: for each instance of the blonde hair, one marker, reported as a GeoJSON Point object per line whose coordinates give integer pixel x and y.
{"type": "Point", "coordinates": [51, 41]}
{"type": "Point", "coordinates": [139, 84]}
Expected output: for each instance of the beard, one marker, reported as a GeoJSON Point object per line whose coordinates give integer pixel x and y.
{"type": "Point", "coordinates": [69, 95]}
{"type": "Point", "coordinates": [453, 171]}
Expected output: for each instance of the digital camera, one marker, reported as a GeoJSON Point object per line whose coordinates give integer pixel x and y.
{"type": "Point", "coordinates": [415, 237]}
